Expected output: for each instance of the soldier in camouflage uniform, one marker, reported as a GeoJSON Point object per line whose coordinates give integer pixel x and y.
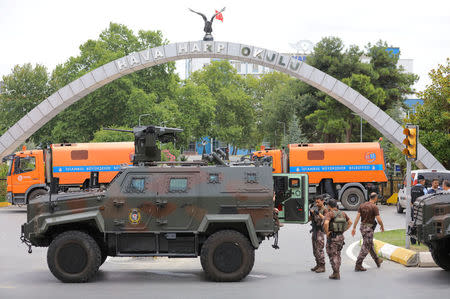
{"type": "Point", "coordinates": [368, 211]}
{"type": "Point", "coordinates": [318, 212]}
{"type": "Point", "coordinates": [335, 237]}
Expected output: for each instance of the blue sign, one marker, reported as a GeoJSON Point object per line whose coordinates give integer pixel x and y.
{"type": "Point", "coordinates": [60, 169]}
{"type": "Point", "coordinates": [398, 168]}
{"type": "Point", "coordinates": [326, 168]}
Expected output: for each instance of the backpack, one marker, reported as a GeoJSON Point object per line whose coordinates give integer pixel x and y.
{"type": "Point", "coordinates": [338, 223]}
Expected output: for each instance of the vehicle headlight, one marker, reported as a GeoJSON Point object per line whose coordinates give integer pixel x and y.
{"type": "Point", "coordinates": [9, 197]}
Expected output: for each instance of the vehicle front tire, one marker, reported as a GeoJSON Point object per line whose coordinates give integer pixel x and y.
{"type": "Point", "coordinates": [352, 198]}
{"type": "Point", "coordinates": [227, 255]}
{"type": "Point", "coordinates": [440, 251]}
{"type": "Point", "coordinates": [399, 208]}
{"type": "Point", "coordinates": [74, 256]}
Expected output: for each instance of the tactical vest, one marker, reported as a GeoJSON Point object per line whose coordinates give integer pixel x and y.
{"type": "Point", "coordinates": [339, 223]}
{"type": "Point", "coordinates": [416, 192]}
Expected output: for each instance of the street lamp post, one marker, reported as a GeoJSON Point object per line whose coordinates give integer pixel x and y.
{"type": "Point", "coordinates": [360, 126]}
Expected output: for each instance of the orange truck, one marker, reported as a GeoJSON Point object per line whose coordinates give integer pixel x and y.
{"type": "Point", "coordinates": [31, 171]}
{"type": "Point", "coordinates": [346, 171]}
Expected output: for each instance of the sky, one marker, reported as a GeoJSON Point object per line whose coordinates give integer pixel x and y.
{"type": "Point", "coordinates": [49, 32]}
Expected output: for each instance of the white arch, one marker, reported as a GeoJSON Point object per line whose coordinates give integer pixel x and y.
{"type": "Point", "coordinates": [81, 87]}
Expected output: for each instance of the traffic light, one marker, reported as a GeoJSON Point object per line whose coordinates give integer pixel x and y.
{"type": "Point", "coordinates": [410, 142]}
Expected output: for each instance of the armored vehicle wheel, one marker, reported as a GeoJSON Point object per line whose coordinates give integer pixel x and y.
{"type": "Point", "coordinates": [440, 251]}
{"type": "Point", "coordinates": [399, 208]}
{"type": "Point", "coordinates": [74, 256]}
{"type": "Point", "coordinates": [227, 255]}
{"type": "Point", "coordinates": [36, 193]}
{"type": "Point", "coordinates": [352, 198]}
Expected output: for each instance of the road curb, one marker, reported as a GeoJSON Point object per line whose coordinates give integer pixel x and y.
{"type": "Point", "coordinates": [403, 256]}
{"type": "Point", "coordinates": [4, 204]}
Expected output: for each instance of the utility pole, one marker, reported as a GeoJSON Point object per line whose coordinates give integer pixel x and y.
{"type": "Point", "coordinates": [410, 151]}
{"type": "Point", "coordinates": [408, 201]}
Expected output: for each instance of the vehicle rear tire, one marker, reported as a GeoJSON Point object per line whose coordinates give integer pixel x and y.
{"type": "Point", "coordinates": [74, 256]}
{"type": "Point", "coordinates": [399, 208]}
{"type": "Point", "coordinates": [227, 255]}
{"type": "Point", "coordinates": [352, 198]}
{"type": "Point", "coordinates": [36, 193]}
{"type": "Point", "coordinates": [440, 251]}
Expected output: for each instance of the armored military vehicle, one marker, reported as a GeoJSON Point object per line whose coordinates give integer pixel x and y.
{"type": "Point", "coordinates": [431, 226]}
{"type": "Point", "coordinates": [218, 212]}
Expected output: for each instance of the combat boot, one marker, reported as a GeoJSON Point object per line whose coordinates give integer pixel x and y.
{"type": "Point", "coordinates": [335, 275]}
{"type": "Point", "coordinates": [378, 262]}
{"type": "Point", "coordinates": [320, 269]}
{"type": "Point", "coordinates": [315, 268]}
{"type": "Point", "coordinates": [359, 268]}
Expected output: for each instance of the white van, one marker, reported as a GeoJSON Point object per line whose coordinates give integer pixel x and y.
{"type": "Point", "coordinates": [429, 175]}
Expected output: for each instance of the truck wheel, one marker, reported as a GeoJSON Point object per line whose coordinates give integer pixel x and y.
{"type": "Point", "coordinates": [440, 251]}
{"type": "Point", "coordinates": [227, 255]}
{"type": "Point", "coordinates": [36, 193]}
{"type": "Point", "coordinates": [399, 208]}
{"type": "Point", "coordinates": [352, 198]}
{"type": "Point", "coordinates": [73, 256]}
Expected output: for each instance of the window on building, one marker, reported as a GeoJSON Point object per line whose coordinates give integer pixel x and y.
{"type": "Point", "coordinates": [237, 66]}
{"type": "Point", "coordinates": [255, 68]}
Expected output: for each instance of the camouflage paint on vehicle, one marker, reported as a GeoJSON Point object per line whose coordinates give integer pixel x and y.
{"type": "Point", "coordinates": [431, 226]}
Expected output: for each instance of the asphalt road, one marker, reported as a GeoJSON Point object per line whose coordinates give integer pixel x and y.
{"type": "Point", "coordinates": [284, 272]}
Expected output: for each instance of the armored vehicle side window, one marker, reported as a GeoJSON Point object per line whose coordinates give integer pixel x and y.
{"type": "Point", "coordinates": [213, 178]}
{"type": "Point", "coordinates": [178, 185]}
{"type": "Point", "coordinates": [135, 185]}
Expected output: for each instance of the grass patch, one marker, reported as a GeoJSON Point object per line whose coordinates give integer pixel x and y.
{"type": "Point", "coordinates": [397, 237]}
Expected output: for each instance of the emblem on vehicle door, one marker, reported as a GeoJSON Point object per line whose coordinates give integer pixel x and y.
{"type": "Point", "coordinates": [135, 216]}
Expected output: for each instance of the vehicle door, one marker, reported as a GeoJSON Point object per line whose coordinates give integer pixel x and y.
{"type": "Point", "coordinates": [291, 197]}
{"type": "Point", "coordinates": [25, 174]}
{"type": "Point", "coordinates": [176, 204]}
{"type": "Point", "coordinates": [130, 205]}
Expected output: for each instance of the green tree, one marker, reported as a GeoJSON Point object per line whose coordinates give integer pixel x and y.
{"type": "Point", "coordinates": [112, 104]}
{"type": "Point", "coordinates": [433, 117]}
{"type": "Point", "coordinates": [25, 87]}
{"type": "Point", "coordinates": [234, 120]}
{"type": "Point", "coordinates": [380, 80]}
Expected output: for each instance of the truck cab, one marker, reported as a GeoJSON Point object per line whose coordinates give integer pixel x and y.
{"type": "Point", "coordinates": [26, 176]}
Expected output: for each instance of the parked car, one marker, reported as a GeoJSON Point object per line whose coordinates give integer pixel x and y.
{"type": "Point", "coordinates": [429, 175]}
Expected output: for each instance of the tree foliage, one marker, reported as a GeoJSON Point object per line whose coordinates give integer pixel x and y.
{"type": "Point", "coordinates": [380, 80]}
{"type": "Point", "coordinates": [433, 117]}
{"type": "Point", "coordinates": [25, 87]}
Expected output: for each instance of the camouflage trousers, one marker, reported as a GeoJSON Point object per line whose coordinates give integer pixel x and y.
{"type": "Point", "coordinates": [367, 245]}
{"type": "Point", "coordinates": [318, 243]}
{"type": "Point", "coordinates": [334, 247]}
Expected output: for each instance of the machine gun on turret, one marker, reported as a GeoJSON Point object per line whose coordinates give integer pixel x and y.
{"type": "Point", "coordinates": [146, 151]}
